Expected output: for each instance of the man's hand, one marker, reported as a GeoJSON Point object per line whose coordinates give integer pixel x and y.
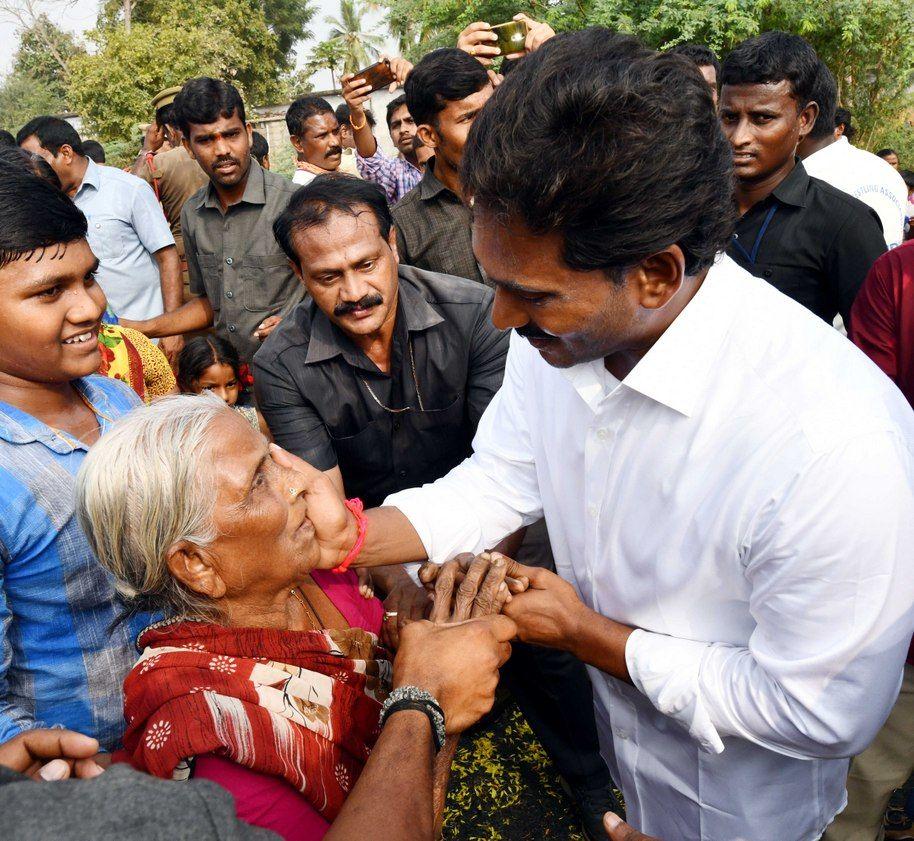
{"type": "Point", "coordinates": [356, 91]}
{"type": "Point", "coordinates": [401, 68]}
{"type": "Point", "coordinates": [458, 664]}
{"type": "Point", "coordinates": [267, 326]}
{"type": "Point", "coordinates": [52, 755]}
{"type": "Point", "coordinates": [154, 138]}
{"type": "Point", "coordinates": [335, 526]}
{"type": "Point", "coordinates": [537, 35]}
{"type": "Point", "coordinates": [479, 41]}
{"type": "Point", "coordinates": [469, 587]}
{"type": "Point", "coordinates": [172, 346]}
{"type": "Point", "coordinates": [619, 830]}
{"type": "Point", "coordinates": [549, 612]}
{"type": "Point", "coordinates": [409, 603]}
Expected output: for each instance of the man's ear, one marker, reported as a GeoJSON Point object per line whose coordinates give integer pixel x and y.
{"type": "Point", "coordinates": [428, 135]}
{"type": "Point", "coordinates": [186, 144]}
{"type": "Point", "coordinates": [195, 569]}
{"type": "Point", "coordinates": [658, 278]}
{"type": "Point", "coordinates": [297, 144]}
{"type": "Point", "coordinates": [66, 152]}
{"type": "Point", "coordinates": [808, 118]}
{"type": "Point", "coordinates": [392, 242]}
{"type": "Point", "coordinates": [296, 268]}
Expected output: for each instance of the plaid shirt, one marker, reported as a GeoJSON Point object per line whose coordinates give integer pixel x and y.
{"type": "Point", "coordinates": [395, 176]}
{"type": "Point", "coordinates": [60, 661]}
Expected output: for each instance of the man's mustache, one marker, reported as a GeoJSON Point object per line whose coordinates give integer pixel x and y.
{"type": "Point", "coordinates": [528, 331]}
{"type": "Point", "coordinates": [365, 303]}
{"type": "Point", "coordinates": [334, 150]}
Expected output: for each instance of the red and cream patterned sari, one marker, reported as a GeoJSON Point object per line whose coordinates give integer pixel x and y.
{"type": "Point", "coordinates": [301, 705]}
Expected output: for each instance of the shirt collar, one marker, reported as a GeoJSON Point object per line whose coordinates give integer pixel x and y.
{"type": "Point", "coordinates": [18, 427]}
{"type": "Point", "coordinates": [674, 371]}
{"type": "Point", "coordinates": [327, 340]}
{"type": "Point", "coordinates": [254, 189]}
{"type": "Point", "coordinates": [430, 186]}
{"type": "Point", "coordinates": [92, 177]}
{"type": "Point", "coordinates": [792, 190]}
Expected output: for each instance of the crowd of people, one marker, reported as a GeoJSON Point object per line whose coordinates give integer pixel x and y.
{"type": "Point", "coordinates": [598, 393]}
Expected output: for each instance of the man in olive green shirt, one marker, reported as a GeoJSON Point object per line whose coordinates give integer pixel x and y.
{"type": "Point", "coordinates": [236, 267]}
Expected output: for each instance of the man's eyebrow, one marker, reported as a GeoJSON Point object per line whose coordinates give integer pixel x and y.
{"type": "Point", "coordinates": [514, 286]}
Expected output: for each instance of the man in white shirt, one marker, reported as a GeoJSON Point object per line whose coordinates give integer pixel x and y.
{"type": "Point", "coordinates": [727, 482]}
{"type": "Point", "coordinates": [315, 135]}
{"type": "Point", "coordinates": [854, 171]}
{"type": "Point", "coordinates": [139, 268]}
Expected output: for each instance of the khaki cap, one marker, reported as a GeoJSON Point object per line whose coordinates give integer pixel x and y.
{"type": "Point", "coordinates": [165, 97]}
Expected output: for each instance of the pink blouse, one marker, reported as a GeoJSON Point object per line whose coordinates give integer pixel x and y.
{"type": "Point", "coordinates": [271, 802]}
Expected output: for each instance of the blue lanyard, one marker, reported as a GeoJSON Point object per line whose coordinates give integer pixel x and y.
{"type": "Point", "coordinates": [758, 239]}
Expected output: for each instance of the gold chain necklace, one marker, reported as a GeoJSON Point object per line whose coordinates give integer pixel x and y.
{"type": "Point", "coordinates": [69, 439]}
{"type": "Point", "coordinates": [309, 609]}
{"type": "Point", "coordinates": [412, 363]}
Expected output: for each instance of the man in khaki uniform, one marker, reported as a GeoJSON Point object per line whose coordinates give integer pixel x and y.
{"type": "Point", "coordinates": [166, 165]}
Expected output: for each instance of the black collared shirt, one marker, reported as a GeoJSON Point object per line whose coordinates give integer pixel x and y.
{"type": "Point", "coordinates": [434, 229]}
{"type": "Point", "coordinates": [314, 386]}
{"type": "Point", "coordinates": [817, 246]}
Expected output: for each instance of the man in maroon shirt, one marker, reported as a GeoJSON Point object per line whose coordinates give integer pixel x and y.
{"type": "Point", "coordinates": [882, 326]}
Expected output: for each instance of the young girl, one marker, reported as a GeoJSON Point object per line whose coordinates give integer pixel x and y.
{"type": "Point", "coordinates": [209, 363]}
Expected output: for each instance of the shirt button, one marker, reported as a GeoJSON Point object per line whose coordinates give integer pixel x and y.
{"type": "Point", "coordinates": [602, 434]}
{"type": "Point", "coordinates": [592, 510]}
{"type": "Point", "coordinates": [229, 261]}
{"type": "Point", "coordinates": [229, 294]}
{"type": "Point", "coordinates": [622, 734]}
{"type": "Point", "coordinates": [231, 328]}
{"type": "Point", "coordinates": [767, 273]}
{"type": "Point", "coordinates": [396, 426]}
{"type": "Point", "coordinates": [402, 474]}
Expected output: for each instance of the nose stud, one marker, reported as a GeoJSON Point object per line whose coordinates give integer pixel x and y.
{"type": "Point", "coordinates": [294, 491]}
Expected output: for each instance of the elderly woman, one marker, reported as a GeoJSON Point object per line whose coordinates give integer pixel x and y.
{"type": "Point", "coordinates": [265, 675]}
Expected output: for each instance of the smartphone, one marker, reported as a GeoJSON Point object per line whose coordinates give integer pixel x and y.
{"type": "Point", "coordinates": [379, 75]}
{"type": "Point", "coordinates": [511, 36]}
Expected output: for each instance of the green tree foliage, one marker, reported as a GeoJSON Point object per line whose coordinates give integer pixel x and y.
{"type": "Point", "coordinates": [112, 89]}
{"type": "Point", "coordinates": [328, 55]}
{"type": "Point", "coordinates": [23, 97]}
{"type": "Point", "coordinates": [359, 48]}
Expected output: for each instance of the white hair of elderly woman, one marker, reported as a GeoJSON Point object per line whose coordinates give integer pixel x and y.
{"type": "Point", "coordinates": [144, 486]}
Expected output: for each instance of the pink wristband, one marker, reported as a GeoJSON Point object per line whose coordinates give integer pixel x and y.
{"type": "Point", "coordinates": [356, 506]}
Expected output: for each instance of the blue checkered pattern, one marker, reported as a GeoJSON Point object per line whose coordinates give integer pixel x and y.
{"type": "Point", "coordinates": [395, 176]}
{"type": "Point", "coordinates": [61, 661]}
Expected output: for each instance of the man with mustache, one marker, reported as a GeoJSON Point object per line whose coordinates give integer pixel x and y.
{"type": "Point", "coordinates": [241, 277]}
{"type": "Point", "coordinates": [808, 239]}
{"type": "Point", "coordinates": [315, 134]}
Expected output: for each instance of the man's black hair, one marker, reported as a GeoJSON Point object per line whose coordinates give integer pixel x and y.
{"type": "Point", "coordinates": [6, 138]}
{"type": "Point", "coordinates": [93, 149]}
{"type": "Point", "coordinates": [701, 55]}
{"type": "Point", "coordinates": [303, 108]}
{"type": "Point", "coordinates": [445, 75]}
{"type": "Point", "coordinates": [825, 94]}
{"type": "Point", "coordinates": [774, 57]}
{"type": "Point", "coordinates": [165, 115]}
{"type": "Point", "coordinates": [343, 111]}
{"type": "Point", "coordinates": [844, 117]}
{"type": "Point", "coordinates": [393, 105]}
{"type": "Point", "coordinates": [314, 203]}
{"type": "Point", "coordinates": [30, 162]}
{"type": "Point", "coordinates": [204, 100]}
{"type": "Point", "coordinates": [52, 133]}
{"type": "Point", "coordinates": [884, 153]}
{"type": "Point", "coordinates": [259, 147]}
{"type": "Point", "coordinates": [38, 218]}
{"type": "Point", "coordinates": [615, 147]}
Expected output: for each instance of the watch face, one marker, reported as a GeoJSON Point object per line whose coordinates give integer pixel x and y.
{"type": "Point", "coordinates": [511, 37]}
{"type": "Point", "coordinates": [379, 75]}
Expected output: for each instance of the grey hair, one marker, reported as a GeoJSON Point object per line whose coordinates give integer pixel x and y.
{"type": "Point", "coordinates": [144, 487]}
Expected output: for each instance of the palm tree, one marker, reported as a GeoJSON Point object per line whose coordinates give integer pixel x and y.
{"type": "Point", "coordinates": [360, 48]}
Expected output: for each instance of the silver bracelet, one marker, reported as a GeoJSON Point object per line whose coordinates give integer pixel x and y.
{"type": "Point", "coordinates": [414, 698]}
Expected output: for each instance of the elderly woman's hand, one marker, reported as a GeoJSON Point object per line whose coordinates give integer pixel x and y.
{"type": "Point", "coordinates": [469, 587]}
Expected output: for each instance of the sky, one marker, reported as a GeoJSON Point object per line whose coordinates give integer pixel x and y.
{"type": "Point", "coordinates": [81, 15]}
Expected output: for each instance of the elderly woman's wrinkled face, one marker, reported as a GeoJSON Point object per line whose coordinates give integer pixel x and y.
{"type": "Point", "coordinates": [266, 541]}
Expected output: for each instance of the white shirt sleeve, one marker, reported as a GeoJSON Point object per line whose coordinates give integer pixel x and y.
{"type": "Point", "coordinates": [495, 491]}
{"type": "Point", "coordinates": [828, 562]}
{"type": "Point", "coordinates": [148, 219]}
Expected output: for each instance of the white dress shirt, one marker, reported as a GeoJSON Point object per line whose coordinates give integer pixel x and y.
{"type": "Point", "coordinates": [126, 227]}
{"type": "Point", "coordinates": [746, 498]}
{"type": "Point", "coordinates": [865, 177]}
{"type": "Point", "coordinates": [303, 177]}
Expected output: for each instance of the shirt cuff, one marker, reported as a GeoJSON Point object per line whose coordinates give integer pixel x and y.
{"type": "Point", "coordinates": [666, 670]}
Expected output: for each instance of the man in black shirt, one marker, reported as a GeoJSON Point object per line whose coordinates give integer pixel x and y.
{"type": "Point", "coordinates": [810, 240]}
{"type": "Point", "coordinates": [380, 378]}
